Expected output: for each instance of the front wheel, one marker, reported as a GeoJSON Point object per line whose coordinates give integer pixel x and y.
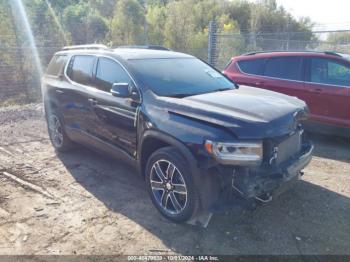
{"type": "Point", "coordinates": [170, 185]}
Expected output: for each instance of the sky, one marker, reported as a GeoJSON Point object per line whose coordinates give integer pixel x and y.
{"type": "Point", "coordinates": [327, 14]}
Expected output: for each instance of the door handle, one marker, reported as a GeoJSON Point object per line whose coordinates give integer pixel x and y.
{"type": "Point", "coordinates": [318, 90]}
{"type": "Point", "coordinates": [92, 101]}
{"type": "Point", "coordinates": [59, 91]}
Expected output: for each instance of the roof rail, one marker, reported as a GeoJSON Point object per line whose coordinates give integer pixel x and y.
{"type": "Point", "coordinates": [268, 51]}
{"type": "Point", "coordinates": [153, 47]}
{"type": "Point", "coordinates": [332, 53]}
{"type": "Point", "coordinates": [92, 46]}
{"type": "Point", "coordinates": [295, 51]}
{"type": "Point", "coordinates": [252, 53]}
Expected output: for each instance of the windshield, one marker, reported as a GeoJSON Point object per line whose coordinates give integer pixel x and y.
{"type": "Point", "coordinates": [180, 77]}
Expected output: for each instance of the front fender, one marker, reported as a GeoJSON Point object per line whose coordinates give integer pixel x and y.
{"type": "Point", "coordinates": [168, 139]}
{"type": "Point", "coordinates": [188, 136]}
{"type": "Point", "coordinates": [192, 133]}
{"type": "Point", "coordinates": [206, 185]}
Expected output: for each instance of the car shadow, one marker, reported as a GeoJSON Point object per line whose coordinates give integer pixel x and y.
{"type": "Point", "coordinates": [331, 147]}
{"type": "Point", "coordinates": [308, 219]}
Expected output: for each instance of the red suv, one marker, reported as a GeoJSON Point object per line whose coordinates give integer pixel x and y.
{"type": "Point", "coordinates": [321, 79]}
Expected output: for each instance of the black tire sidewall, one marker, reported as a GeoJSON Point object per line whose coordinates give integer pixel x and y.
{"type": "Point", "coordinates": [172, 155]}
{"type": "Point", "coordinates": [66, 144]}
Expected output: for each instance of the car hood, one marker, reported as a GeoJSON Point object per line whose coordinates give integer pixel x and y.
{"type": "Point", "coordinates": [249, 113]}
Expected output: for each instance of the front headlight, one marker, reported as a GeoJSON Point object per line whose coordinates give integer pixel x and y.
{"type": "Point", "coordinates": [237, 153]}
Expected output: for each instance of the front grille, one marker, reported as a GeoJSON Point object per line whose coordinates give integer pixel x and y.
{"type": "Point", "coordinates": [289, 147]}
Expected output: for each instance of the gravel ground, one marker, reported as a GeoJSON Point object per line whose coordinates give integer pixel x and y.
{"type": "Point", "coordinates": [85, 203]}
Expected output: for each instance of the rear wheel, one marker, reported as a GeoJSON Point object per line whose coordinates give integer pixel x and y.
{"type": "Point", "coordinates": [58, 136]}
{"type": "Point", "coordinates": [170, 185]}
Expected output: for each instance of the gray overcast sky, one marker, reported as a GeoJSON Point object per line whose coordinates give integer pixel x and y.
{"type": "Point", "coordinates": [329, 14]}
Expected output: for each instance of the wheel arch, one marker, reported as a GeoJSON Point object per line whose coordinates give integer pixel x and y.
{"type": "Point", "coordinates": [154, 140]}
{"type": "Point", "coordinates": [205, 184]}
{"type": "Point", "coordinates": [50, 104]}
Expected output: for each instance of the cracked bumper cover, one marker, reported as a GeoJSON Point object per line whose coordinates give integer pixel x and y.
{"type": "Point", "coordinates": [254, 182]}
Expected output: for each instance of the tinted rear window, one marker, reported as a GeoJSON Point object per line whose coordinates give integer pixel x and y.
{"type": "Point", "coordinates": [284, 67]}
{"type": "Point", "coordinates": [56, 65]}
{"type": "Point", "coordinates": [253, 67]}
{"type": "Point", "coordinates": [81, 69]}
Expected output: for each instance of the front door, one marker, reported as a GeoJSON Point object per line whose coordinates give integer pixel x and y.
{"type": "Point", "coordinates": [329, 81]}
{"type": "Point", "coordinates": [116, 118]}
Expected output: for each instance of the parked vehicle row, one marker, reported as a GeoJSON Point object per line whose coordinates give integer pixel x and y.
{"type": "Point", "coordinates": [321, 79]}
{"type": "Point", "coordinates": [196, 137]}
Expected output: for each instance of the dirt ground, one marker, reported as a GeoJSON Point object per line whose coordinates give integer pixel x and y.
{"type": "Point", "coordinates": [84, 203]}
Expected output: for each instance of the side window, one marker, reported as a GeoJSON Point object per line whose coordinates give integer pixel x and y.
{"type": "Point", "coordinates": [81, 69]}
{"type": "Point", "coordinates": [253, 67]}
{"type": "Point", "coordinates": [108, 73]}
{"type": "Point", "coordinates": [284, 67]}
{"type": "Point", "coordinates": [56, 65]}
{"type": "Point", "coordinates": [327, 71]}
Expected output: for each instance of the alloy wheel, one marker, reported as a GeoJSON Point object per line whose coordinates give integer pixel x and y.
{"type": "Point", "coordinates": [168, 187]}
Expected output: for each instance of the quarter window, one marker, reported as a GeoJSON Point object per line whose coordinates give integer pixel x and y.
{"type": "Point", "coordinates": [56, 65]}
{"type": "Point", "coordinates": [108, 73]}
{"type": "Point", "coordinates": [326, 71]}
{"type": "Point", "coordinates": [253, 67]}
{"type": "Point", "coordinates": [284, 67]}
{"type": "Point", "coordinates": [81, 69]}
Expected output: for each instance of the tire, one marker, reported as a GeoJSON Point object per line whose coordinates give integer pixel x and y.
{"type": "Point", "coordinates": [58, 137]}
{"type": "Point", "coordinates": [170, 185]}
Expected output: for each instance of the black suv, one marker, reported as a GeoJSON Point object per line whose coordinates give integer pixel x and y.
{"type": "Point", "coordinates": [197, 138]}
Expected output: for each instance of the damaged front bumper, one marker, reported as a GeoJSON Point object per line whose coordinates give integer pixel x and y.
{"type": "Point", "coordinates": [260, 183]}
{"type": "Point", "coordinates": [255, 182]}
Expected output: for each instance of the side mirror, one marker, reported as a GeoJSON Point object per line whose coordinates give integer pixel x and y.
{"type": "Point", "coordinates": [120, 90]}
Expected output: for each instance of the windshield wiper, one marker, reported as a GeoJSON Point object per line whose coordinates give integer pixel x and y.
{"type": "Point", "coordinates": [181, 95]}
{"type": "Point", "coordinates": [222, 89]}
{"type": "Point", "coordinates": [216, 90]}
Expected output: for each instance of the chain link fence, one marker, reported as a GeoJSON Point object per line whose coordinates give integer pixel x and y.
{"type": "Point", "coordinates": [222, 47]}
{"type": "Point", "coordinates": [19, 74]}
{"type": "Point", "coordinates": [20, 78]}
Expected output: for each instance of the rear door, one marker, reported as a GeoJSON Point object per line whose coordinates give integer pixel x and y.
{"type": "Point", "coordinates": [285, 75]}
{"type": "Point", "coordinates": [76, 95]}
{"type": "Point", "coordinates": [250, 72]}
{"type": "Point", "coordinates": [115, 117]}
{"type": "Point", "coordinates": [329, 81]}
{"type": "Point", "coordinates": [52, 82]}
